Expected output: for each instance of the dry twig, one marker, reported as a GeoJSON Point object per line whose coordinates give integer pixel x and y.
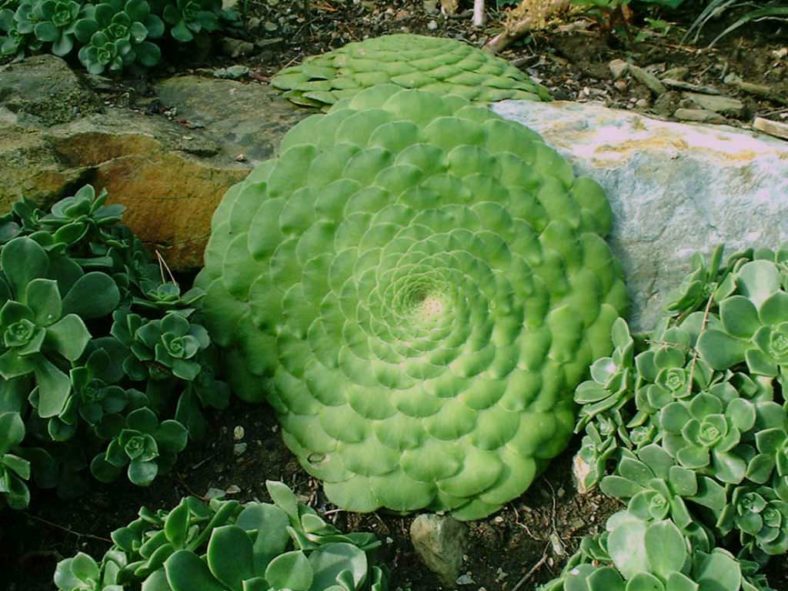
{"type": "Point", "coordinates": [528, 16]}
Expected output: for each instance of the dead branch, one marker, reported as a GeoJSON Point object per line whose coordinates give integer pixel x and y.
{"type": "Point", "coordinates": [528, 16]}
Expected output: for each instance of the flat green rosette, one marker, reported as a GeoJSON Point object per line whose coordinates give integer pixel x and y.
{"type": "Point", "coordinates": [442, 66]}
{"type": "Point", "coordinates": [416, 286]}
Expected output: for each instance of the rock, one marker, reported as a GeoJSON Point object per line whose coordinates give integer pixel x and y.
{"type": "Point", "coordinates": [698, 115]}
{"type": "Point", "coordinates": [43, 90]}
{"type": "Point", "coordinates": [170, 175]}
{"type": "Point", "coordinates": [580, 471]}
{"type": "Point", "coordinates": [667, 103]}
{"type": "Point", "coordinates": [440, 542]}
{"type": "Point", "coordinates": [231, 73]}
{"type": "Point", "coordinates": [681, 85]}
{"type": "Point", "coordinates": [250, 118]}
{"type": "Point", "coordinates": [675, 73]}
{"type": "Point", "coordinates": [674, 188]}
{"type": "Point", "coordinates": [647, 79]}
{"type": "Point", "coordinates": [236, 47]}
{"type": "Point", "coordinates": [618, 68]}
{"type": "Point", "coordinates": [774, 128]}
{"type": "Point", "coordinates": [719, 104]}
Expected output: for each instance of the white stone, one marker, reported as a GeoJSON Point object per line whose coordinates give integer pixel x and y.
{"type": "Point", "coordinates": [674, 188]}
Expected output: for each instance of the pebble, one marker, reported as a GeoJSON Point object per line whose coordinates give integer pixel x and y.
{"type": "Point", "coordinates": [647, 79]}
{"type": "Point", "coordinates": [774, 128]}
{"type": "Point", "coordinates": [643, 103]}
{"type": "Point", "coordinates": [465, 579]}
{"type": "Point", "coordinates": [432, 25]}
{"type": "Point", "coordinates": [719, 104]}
{"type": "Point", "coordinates": [675, 73]}
{"type": "Point", "coordinates": [238, 433]}
{"type": "Point", "coordinates": [239, 449]}
{"type": "Point", "coordinates": [618, 68]}
{"type": "Point", "coordinates": [699, 115]}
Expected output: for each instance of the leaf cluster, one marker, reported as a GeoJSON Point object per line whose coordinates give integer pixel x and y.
{"type": "Point", "coordinates": [103, 361]}
{"type": "Point", "coordinates": [226, 546]}
{"type": "Point", "coordinates": [694, 415]}
{"type": "Point", "coordinates": [108, 35]}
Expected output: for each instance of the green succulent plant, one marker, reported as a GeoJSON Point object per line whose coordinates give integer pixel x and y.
{"type": "Point", "coordinates": [753, 323]}
{"type": "Point", "coordinates": [162, 347]}
{"type": "Point", "coordinates": [187, 17]}
{"type": "Point", "coordinates": [657, 488]}
{"type": "Point", "coordinates": [142, 445]}
{"type": "Point", "coordinates": [416, 285]}
{"type": "Point", "coordinates": [14, 470]}
{"type": "Point", "coordinates": [117, 33]}
{"type": "Point", "coordinates": [64, 274]}
{"type": "Point", "coordinates": [224, 546]}
{"type": "Point", "coordinates": [441, 66]}
{"type": "Point", "coordinates": [636, 554]}
{"type": "Point", "coordinates": [55, 23]}
{"type": "Point", "coordinates": [761, 518]}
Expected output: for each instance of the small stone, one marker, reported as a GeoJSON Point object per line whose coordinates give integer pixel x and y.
{"type": "Point", "coordinates": [465, 579]}
{"type": "Point", "coordinates": [667, 103]}
{"type": "Point", "coordinates": [431, 6]}
{"type": "Point", "coordinates": [214, 493]}
{"type": "Point", "coordinates": [238, 433]}
{"type": "Point", "coordinates": [621, 85]}
{"type": "Point", "coordinates": [643, 103]}
{"type": "Point", "coordinates": [675, 73]}
{"type": "Point", "coordinates": [233, 489]}
{"type": "Point", "coordinates": [774, 128]}
{"type": "Point", "coordinates": [236, 47]}
{"type": "Point", "coordinates": [270, 27]}
{"type": "Point", "coordinates": [699, 115]}
{"type": "Point", "coordinates": [432, 25]}
{"type": "Point", "coordinates": [232, 73]}
{"type": "Point", "coordinates": [681, 85]}
{"type": "Point", "coordinates": [647, 79]}
{"type": "Point", "coordinates": [498, 519]}
{"type": "Point", "coordinates": [440, 542]}
{"type": "Point", "coordinates": [580, 471]}
{"type": "Point", "coordinates": [240, 158]}
{"type": "Point", "coordinates": [719, 104]}
{"type": "Point", "coordinates": [618, 68]}
{"type": "Point", "coordinates": [239, 449]}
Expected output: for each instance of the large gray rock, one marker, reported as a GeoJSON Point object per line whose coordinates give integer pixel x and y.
{"type": "Point", "coordinates": [674, 188]}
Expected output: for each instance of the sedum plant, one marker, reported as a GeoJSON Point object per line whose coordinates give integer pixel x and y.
{"type": "Point", "coordinates": [694, 416]}
{"type": "Point", "coordinates": [416, 286]}
{"type": "Point", "coordinates": [647, 554]}
{"type": "Point", "coordinates": [226, 546]}
{"type": "Point", "coordinates": [441, 66]}
{"type": "Point", "coordinates": [108, 35]}
{"type": "Point", "coordinates": [83, 385]}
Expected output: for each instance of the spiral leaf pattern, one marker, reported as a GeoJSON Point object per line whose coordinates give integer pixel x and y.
{"type": "Point", "coordinates": [416, 285]}
{"type": "Point", "coordinates": [442, 66]}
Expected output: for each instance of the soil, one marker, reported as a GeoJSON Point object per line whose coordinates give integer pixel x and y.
{"type": "Point", "coordinates": [527, 542]}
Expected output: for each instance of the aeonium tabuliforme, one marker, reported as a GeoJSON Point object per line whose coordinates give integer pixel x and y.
{"type": "Point", "coordinates": [416, 286]}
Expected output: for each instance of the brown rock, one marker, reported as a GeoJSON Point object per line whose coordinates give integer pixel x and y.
{"type": "Point", "coordinates": [170, 175]}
